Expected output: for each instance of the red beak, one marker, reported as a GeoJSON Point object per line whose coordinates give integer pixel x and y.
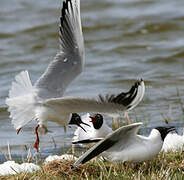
{"type": "Point", "coordinates": [92, 119]}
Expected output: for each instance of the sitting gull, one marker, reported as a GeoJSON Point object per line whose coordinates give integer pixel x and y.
{"type": "Point", "coordinates": [125, 144]}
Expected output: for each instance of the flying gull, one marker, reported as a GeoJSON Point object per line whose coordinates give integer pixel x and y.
{"type": "Point", "coordinates": [44, 100]}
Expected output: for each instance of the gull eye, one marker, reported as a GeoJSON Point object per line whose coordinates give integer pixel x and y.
{"type": "Point", "coordinates": [98, 116]}
{"type": "Point", "coordinates": [77, 118]}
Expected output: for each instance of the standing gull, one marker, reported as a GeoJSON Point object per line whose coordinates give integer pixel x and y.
{"type": "Point", "coordinates": [44, 100]}
{"type": "Point", "coordinates": [125, 144]}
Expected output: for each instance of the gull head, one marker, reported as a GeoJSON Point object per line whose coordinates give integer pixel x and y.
{"type": "Point", "coordinates": [76, 120]}
{"type": "Point", "coordinates": [165, 130]}
{"type": "Point", "coordinates": [97, 121]}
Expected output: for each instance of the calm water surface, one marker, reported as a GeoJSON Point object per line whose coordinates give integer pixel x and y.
{"type": "Point", "coordinates": [124, 40]}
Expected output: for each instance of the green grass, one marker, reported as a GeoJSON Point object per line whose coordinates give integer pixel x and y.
{"type": "Point", "coordinates": [164, 166]}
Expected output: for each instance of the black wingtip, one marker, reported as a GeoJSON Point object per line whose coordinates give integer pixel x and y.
{"type": "Point", "coordinates": [87, 141]}
{"type": "Point", "coordinates": [124, 98]}
{"type": "Point", "coordinates": [63, 10]}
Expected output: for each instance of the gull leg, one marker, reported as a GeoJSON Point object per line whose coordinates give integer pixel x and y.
{"type": "Point", "coordinates": [73, 149]}
{"type": "Point", "coordinates": [127, 117]}
{"type": "Point", "coordinates": [115, 123]}
{"type": "Point", "coordinates": [36, 144]}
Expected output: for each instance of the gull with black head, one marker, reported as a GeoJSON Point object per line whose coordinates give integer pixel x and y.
{"type": "Point", "coordinates": [125, 144]}
{"type": "Point", "coordinates": [98, 129]}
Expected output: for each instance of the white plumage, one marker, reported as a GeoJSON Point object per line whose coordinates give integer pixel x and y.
{"type": "Point", "coordinates": [44, 100]}
{"type": "Point", "coordinates": [21, 100]}
{"type": "Point", "coordinates": [63, 156]}
{"type": "Point", "coordinates": [125, 144]}
{"type": "Point", "coordinates": [173, 142]}
{"type": "Point", "coordinates": [91, 132]}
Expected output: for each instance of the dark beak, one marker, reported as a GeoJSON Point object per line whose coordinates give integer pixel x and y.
{"type": "Point", "coordinates": [84, 124]}
{"type": "Point", "coordinates": [75, 119]}
{"type": "Point", "coordinates": [79, 124]}
{"type": "Point", "coordinates": [81, 127]}
{"type": "Point", "coordinates": [170, 129]}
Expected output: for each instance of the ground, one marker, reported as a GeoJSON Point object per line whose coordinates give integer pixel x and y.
{"type": "Point", "coordinates": [164, 166]}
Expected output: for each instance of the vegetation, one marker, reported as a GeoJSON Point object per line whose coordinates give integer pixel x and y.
{"type": "Point", "coordinates": [164, 166]}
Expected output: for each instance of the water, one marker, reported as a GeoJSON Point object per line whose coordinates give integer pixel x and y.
{"type": "Point", "coordinates": [124, 41]}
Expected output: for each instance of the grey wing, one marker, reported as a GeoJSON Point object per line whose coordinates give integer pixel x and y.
{"type": "Point", "coordinates": [122, 133]}
{"type": "Point", "coordinates": [69, 62]}
{"type": "Point", "coordinates": [112, 104]}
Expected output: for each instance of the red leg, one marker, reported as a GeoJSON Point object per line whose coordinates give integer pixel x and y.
{"type": "Point", "coordinates": [18, 130]}
{"type": "Point", "coordinates": [36, 144]}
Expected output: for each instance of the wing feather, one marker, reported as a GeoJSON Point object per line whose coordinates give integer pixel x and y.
{"type": "Point", "coordinates": [109, 105]}
{"type": "Point", "coordinates": [69, 61]}
{"type": "Point", "coordinates": [108, 142]}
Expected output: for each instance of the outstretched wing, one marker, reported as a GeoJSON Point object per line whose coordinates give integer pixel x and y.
{"type": "Point", "coordinates": [129, 99]}
{"type": "Point", "coordinates": [109, 105]}
{"type": "Point", "coordinates": [69, 61]}
{"type": "Point", "coordinates": [123, 132]}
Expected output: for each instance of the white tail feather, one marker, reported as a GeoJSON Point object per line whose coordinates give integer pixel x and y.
{"type": "Point", "coordinates": [21, 100]}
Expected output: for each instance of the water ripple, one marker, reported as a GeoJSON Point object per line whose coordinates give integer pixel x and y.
{"type": "Point", "coordinates": [124, 41]}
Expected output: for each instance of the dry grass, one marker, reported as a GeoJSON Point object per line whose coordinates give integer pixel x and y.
{"type": "Point", "coordinates": [165, 166]}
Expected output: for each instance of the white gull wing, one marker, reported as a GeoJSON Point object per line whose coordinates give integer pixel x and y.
{"type": "Point", "coordinates": [113, 104]}
{"type": "Point", "coordinates": [69, 61]}
{"type": "Point", "coordinates": [123, 134]}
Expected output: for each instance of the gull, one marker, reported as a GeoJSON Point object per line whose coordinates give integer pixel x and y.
{"type": "Point", "coordinates": [173, 142]}
{"type": "Point", "coordinates": [125, 144]}
{"type": "Point", "coordinates": [45, 101]}
{"type": "Point", "coordinates": [97, 126]}
{"type": "Point", "coordinates": [98, 129]}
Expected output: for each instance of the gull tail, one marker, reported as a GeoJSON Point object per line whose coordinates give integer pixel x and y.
{"type": "Point", "coordinates": [21, 100]}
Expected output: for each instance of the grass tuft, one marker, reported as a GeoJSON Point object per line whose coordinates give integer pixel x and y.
{"type": "Point", "coordinates": [164, 166]}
